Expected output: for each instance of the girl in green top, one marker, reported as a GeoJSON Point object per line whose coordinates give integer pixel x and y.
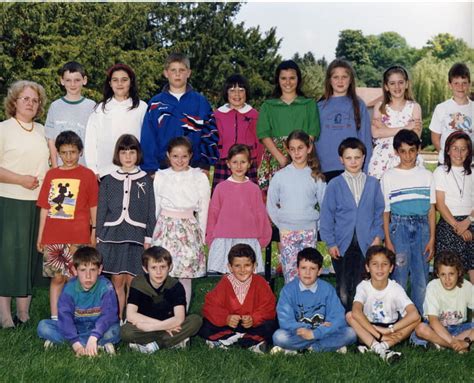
{"type": "Point", "coordinates": [287, 110]}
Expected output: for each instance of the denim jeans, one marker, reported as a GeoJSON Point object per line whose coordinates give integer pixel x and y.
{"type": "Point", "coordinates": [48, 329]}
{"type": "Point", "coordinates": [410, 235]}
{"type": "Point", "coordinates": [454, 330]}
{"type": "Point", "coordinates": [290, 341]}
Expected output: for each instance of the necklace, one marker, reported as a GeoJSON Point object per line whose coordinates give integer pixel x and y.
{"type": "Point", "coordinates": [28, 130]}
{"type": "Point", "coordinates": [461, 190]}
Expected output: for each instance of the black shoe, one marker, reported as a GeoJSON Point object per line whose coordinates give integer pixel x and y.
{"type": "Point", "coordinates": [18, 322]}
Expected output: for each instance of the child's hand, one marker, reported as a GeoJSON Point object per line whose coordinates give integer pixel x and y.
{"type": "Point", "coordinates": [91, 346]}
{"type": "Point", "coordinates": [430, 249]}
{"type": "Point", "coordinates": [146, 245]}
{"type": "Point", "coordinates": [173, 330]}
{"type": "Point", "coordinates": [389, 245]}
{"type": "Point", "coordinates": [334, 252]}
{"type": "Point", "coordinates": [93, 239]}
{"type": "Point", "coordinates": [383, 330]}
{"type": "Point", "coordinates": [376, 242]}
{"type": "Point", "coordinates": [282, 160]}
{"type": "Point", "coordinates": [305, 333]}
{"type": "Point", "coordinates": [467, 236]}
{"type": "Point", "coordinates": [78, 349]}
{"type": "Point", "coordinates": [247, 321]}
{"type": "Point", "coordinates": [462, 226]}
{"type": "Point", "coordinates": [39, 246]}
{"type": "Point", "coordinates": [233, 320]}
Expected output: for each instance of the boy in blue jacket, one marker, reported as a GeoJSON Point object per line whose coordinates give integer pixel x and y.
{"type": "Point", "coordinates": [310, 314]}
{"type": "Point", "coordinates": [178, 111]}
{"type": "Point", "coordinates": [351, 219]}
{"type": "Point", "coordinates": [87, 309]}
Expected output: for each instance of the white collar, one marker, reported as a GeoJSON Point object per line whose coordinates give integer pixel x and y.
{"type": "Point", "coordinates": [312, 288]}
{"type": "Point", "coordinates": [226, 108]}
{"type": "Point", "coordinates": [121, 176]}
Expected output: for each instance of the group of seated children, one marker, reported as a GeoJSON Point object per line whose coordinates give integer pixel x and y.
{"type": "Point", "coordinates": [240, 310]}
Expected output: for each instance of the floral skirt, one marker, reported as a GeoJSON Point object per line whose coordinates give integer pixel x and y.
{"type": "Point", "coordinates": [292, 242]}
{"type": "Point", "coordinates": [269, 165]}
{"type": "Point", "coordinates": [57, 259]}
{"type": "Point", "coordinates": [183, 239]}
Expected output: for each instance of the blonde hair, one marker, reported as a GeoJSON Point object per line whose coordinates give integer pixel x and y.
{"type": "Point", "coordinates": [14, 92]}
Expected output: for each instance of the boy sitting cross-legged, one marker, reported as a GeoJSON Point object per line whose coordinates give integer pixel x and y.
{"type": "Point", "coordinates": [447, 299]}
{"type": "Point", "coordinates": [156, 307]}
{"type": "Point", "coordinates": [241, 308]}
{"type": "Point", "coordinates": [310, 314]}
{"type": "Point", "coordinates": [87, 309]}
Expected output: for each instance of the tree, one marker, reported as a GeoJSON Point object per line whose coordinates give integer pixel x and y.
{"type": "Point", "coordinates": [444, 45]}
{"type": "Point", "coordinates": [353, 46]}
{"type": "Point", "coordinates": [140, 35]}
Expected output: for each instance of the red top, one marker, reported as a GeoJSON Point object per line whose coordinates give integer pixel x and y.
{"type": "Point", "coordinates": [68, 195]}
{"type": "Point", "coordinates": [222, 302]}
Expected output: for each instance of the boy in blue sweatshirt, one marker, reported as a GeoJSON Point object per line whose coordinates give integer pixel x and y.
{"type": "Point", "coordinates": [351, 219]}
{"type": "Point", "coordinates": [178, 111]}
{"type": "Point", "coordinates": [87, 309]}
{"type": "Point", "coordinates": [310, 314]}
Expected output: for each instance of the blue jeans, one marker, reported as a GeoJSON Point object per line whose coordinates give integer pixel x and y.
{"type": "Point", "coordinates": [410, 235]}
{"type": "Point", "coordinates": [454, 330]}
{"type": "Point", "coordinates": [288, 340]}
{"type": "Point", "coordinates": [48, 329]}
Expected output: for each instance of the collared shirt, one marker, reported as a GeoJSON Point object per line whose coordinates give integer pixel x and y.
{"type": "Point", "coordinates": [240, 288]}
{"type": "Point", "coordinates": [311, 288]}
{"type": "Point", "coordinates": [356, 184]}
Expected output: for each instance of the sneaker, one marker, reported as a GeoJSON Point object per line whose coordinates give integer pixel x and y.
{"type": "Point", "coordinates": [279, 350]}
{"type": "Point", "coordinates": [362, 349]}
{"type": "Point", "coordinates": [216, 344]}
{"type": "Point", "coordinates": [48, 345]}
{"type": "Point", "coordinates": [182, 345]}
{"type": "Point", "coordinates": [391, 356]}
{"type": "Point", "coordinates": [342, 350]}
{"type": "Point", "coordinates": [109, 348]}
{"type": "Point", "coordinates": [259, 348]}
{"type": "Point", "coordinates": [148, 348]}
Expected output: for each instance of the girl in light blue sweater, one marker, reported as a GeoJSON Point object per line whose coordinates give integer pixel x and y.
{"type": "Point", "coordinates": [294, 197]}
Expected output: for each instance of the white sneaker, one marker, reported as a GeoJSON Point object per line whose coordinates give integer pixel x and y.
{"type": "Point", "coordinates": [259, 348]}
{"type": "Point", "coordinates": [391, 356]}
{"type": "Point", "coordinates": [342, 350]}
{"type": "Point", "coordinates": [48, 345]}
{"type": "Point", "coordinates": [279, 350]}
{"type": "Point", "coordinates": [362, 349]}
{"type": "Point", "coordinates": [109, 348]}
{"type": "Point", "coordinates": [148, 348]}
{"type": "Point", "coordinates": [216, 344]}
{"type": "Point", "coordinates": [182, 345]}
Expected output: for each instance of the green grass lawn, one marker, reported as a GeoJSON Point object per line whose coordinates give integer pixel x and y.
{"type": "Point", "coordinates": [22, 359]}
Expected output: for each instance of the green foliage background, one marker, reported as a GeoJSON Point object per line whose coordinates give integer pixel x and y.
{"type": "Point", "coordinates": [38, 38]}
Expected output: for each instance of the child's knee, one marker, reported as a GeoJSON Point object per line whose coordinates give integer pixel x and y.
{"type": "Point", "coordinates": [280, 337]}
{"type": "Point", "coordinates": [422, 330]}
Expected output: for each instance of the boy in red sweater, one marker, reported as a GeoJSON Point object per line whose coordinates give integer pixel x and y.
{"type": "Point", "coordinates": [241, 308]}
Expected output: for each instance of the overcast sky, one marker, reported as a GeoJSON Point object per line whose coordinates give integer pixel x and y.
{"type": "Point", "coordinates": [315, 26]}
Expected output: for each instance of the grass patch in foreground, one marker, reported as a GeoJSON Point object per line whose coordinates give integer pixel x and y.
{"type": "Point", "coordinates": [22, 359]}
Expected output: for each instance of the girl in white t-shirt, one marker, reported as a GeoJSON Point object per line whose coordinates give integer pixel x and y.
{"type": "Point", "coordinates": [455, 200]}
{"type": "Point", "coordinates": [382, 314]}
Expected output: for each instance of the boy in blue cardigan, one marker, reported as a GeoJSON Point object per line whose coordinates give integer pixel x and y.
{"type": "Point", "coordinates": [310, 314]}
{"type": "Point", "coordinates": [351, 219]}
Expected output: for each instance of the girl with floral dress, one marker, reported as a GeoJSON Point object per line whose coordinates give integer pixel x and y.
{"type": "Point", "coordinates": [397, 111]}
{"type": "Point", "coordinates": [182, 196]}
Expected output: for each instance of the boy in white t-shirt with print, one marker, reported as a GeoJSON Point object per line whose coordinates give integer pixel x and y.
{"type": "Point", "coordinates": [453, 114]}
{"type": "Point", "coordinates": [447, 300]}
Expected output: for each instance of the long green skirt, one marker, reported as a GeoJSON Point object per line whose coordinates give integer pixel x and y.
{"type": "Point", "coordinates": [20, 262]}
